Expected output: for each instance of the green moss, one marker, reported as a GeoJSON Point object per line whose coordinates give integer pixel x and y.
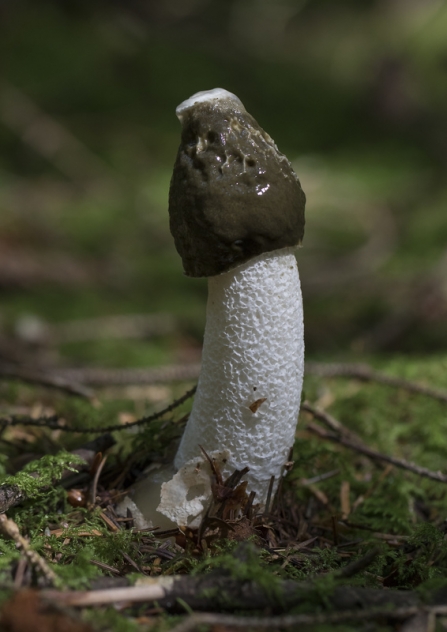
{"type": "Point", "coordinates": [244, 563]}
{"type": "Point", "coordinates": [111, 620]}
{"type": "Point", "coordinates": [34, 479]}
{"type": "Point", "coordinates": [76, 571]}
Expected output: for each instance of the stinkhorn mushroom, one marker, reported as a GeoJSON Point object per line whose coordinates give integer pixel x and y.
{"type": "Point", "coordinates": [236, 214]}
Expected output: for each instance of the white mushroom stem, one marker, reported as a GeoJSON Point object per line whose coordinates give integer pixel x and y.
{"type": "Point", "coordinates": [249, 390]}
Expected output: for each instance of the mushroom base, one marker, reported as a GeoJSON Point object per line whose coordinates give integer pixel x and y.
{"type": "Point", "coordinates": [146, 496]}
{"type": "Point", "coordinates": [166, 499]}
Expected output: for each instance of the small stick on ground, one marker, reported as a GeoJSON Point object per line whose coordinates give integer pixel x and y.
{"type": "Point", "coordinates": [133, 594]}
{"type": "Point", "coordinates": [120, 326]}
{"type": "Point", "coordinates": [53, 423]}
{"type": "Point", "coordinates": [365, 373]}
{"type": "Point", "coordinates": [40, 378]}
{"type": "Point", "coordinates": [98, 376]}
{"type": "Point", "coordinates": [291, 620]}
{"type": "Point", "coordinates": [358, 566]}
{"type": "Point", "coordinates": [331, 422]}
{"type": "Point", "coordinates": [378, 456]}
{"type": "Point", "coordinates": [91, 500]}
{"type": "Point", "coordinates": [269, 496]}
{"type": "Point", "coordinates": [11, 530]}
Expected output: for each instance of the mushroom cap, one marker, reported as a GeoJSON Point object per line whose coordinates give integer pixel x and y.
{"type": "Point", "coordinates": [233, 195]}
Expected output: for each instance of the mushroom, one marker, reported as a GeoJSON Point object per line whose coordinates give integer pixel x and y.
{"type": "Point", "coordinates": [237, 214]}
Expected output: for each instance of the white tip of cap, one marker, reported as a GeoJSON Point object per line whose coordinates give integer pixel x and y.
{"type": "Point", "coordinates": [217, 94]}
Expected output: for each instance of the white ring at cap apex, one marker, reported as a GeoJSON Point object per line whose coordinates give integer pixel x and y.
{"type": "Point", "coordinates": [216, 94]}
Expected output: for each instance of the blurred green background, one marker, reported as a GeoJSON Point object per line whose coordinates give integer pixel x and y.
{"type": "Point", "coordinates": [354, 93]}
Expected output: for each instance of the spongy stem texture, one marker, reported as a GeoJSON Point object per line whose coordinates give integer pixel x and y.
{"type": "Point", "coordinates": [249, 390]}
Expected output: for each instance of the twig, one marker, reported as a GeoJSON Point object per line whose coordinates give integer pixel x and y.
{"type": "Point", "coordinates": [25, 267]}
{"type": "Point", "coordinates": [11, 530]}
{"type": "Point", "coordinates": [105, 567]}
{"type": "Point", "coordinates": [423, 621]}
{"type": "Point", "coordinates": [319, 477]}
{"type": "Point", "coordinates": [103, 327]}
{"type": "Point", "coordinates": [291, 620]}
{"type": "Point", "coordinates": [358, 566]}
{"type": "Point", "coordinates": [52, 422]}
{"type": "Point", "coordinates": [331, 422]}
{"type": "Point", "coordinates": [269, 496]}
{"type": "Point", "coordinates": [158, 590]}
{"type": "Point", "coordinates": [220, 592]}
{"type": "Point", "coordinates": [51, 139]}
{"type": "Point", "coordinates": [91, 499]}
{"type": "Point", "coordinates": [378, 456]}
{"type": "Point", "coordinates": [365, 373]}
{"type": "Point", "coordinates": [31, 376]}
{"type": "Point", "coordinates": [19, 575]}
{"type": "Point", "coordinates": [122, 377]}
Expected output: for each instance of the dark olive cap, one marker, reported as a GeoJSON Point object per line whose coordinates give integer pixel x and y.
{"type": "Point", "coordinates": [233, 195]}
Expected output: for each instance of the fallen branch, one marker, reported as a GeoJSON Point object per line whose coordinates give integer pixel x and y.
{"type": "Point", "coordinates": [23, 116]}
{"type": "Point", "coordinates": [160, 588]}
{"type": "Point", "coordinates": [374, 454]}
{"type": "Point", "coordinates": [356, 567]}
{"type": "Point", "coordinates": [331, 422]}
{"type": "Point", "coordinates": [292, 620]}
{"type": "Point", "coordinates": [32, 376]}
{"type": "Point", "coordinates": [53, 423]}
{"type": "Point", "coordinates": [95, 376]}
{"type": "Point", "coordinates": [123, 377]}
{"type": "Point", "coordinates": [121, 326]}
{"type": "Point", "coordinates": [365, 373]}
{"type": "Point", "coordinates": [218, 591]}
{"type": "Point", "coordinates": [25, 267]}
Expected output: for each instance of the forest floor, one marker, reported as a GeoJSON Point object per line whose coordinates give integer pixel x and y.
{"type": "Point", "coordinates": [354, 539]}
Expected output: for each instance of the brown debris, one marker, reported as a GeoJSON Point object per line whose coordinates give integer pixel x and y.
{"type": "Point", "coordinates": [345, 501]}
{"type": "Point", "coordinates": [256, 404]}
{"type": "Point", "coordinates": [25, 612]}
{"type": "Point", "coordinates": [231, 494]}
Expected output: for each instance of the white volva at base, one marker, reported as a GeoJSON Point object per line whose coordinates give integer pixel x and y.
{"type": "Point", "coordinates": [253, 350]}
